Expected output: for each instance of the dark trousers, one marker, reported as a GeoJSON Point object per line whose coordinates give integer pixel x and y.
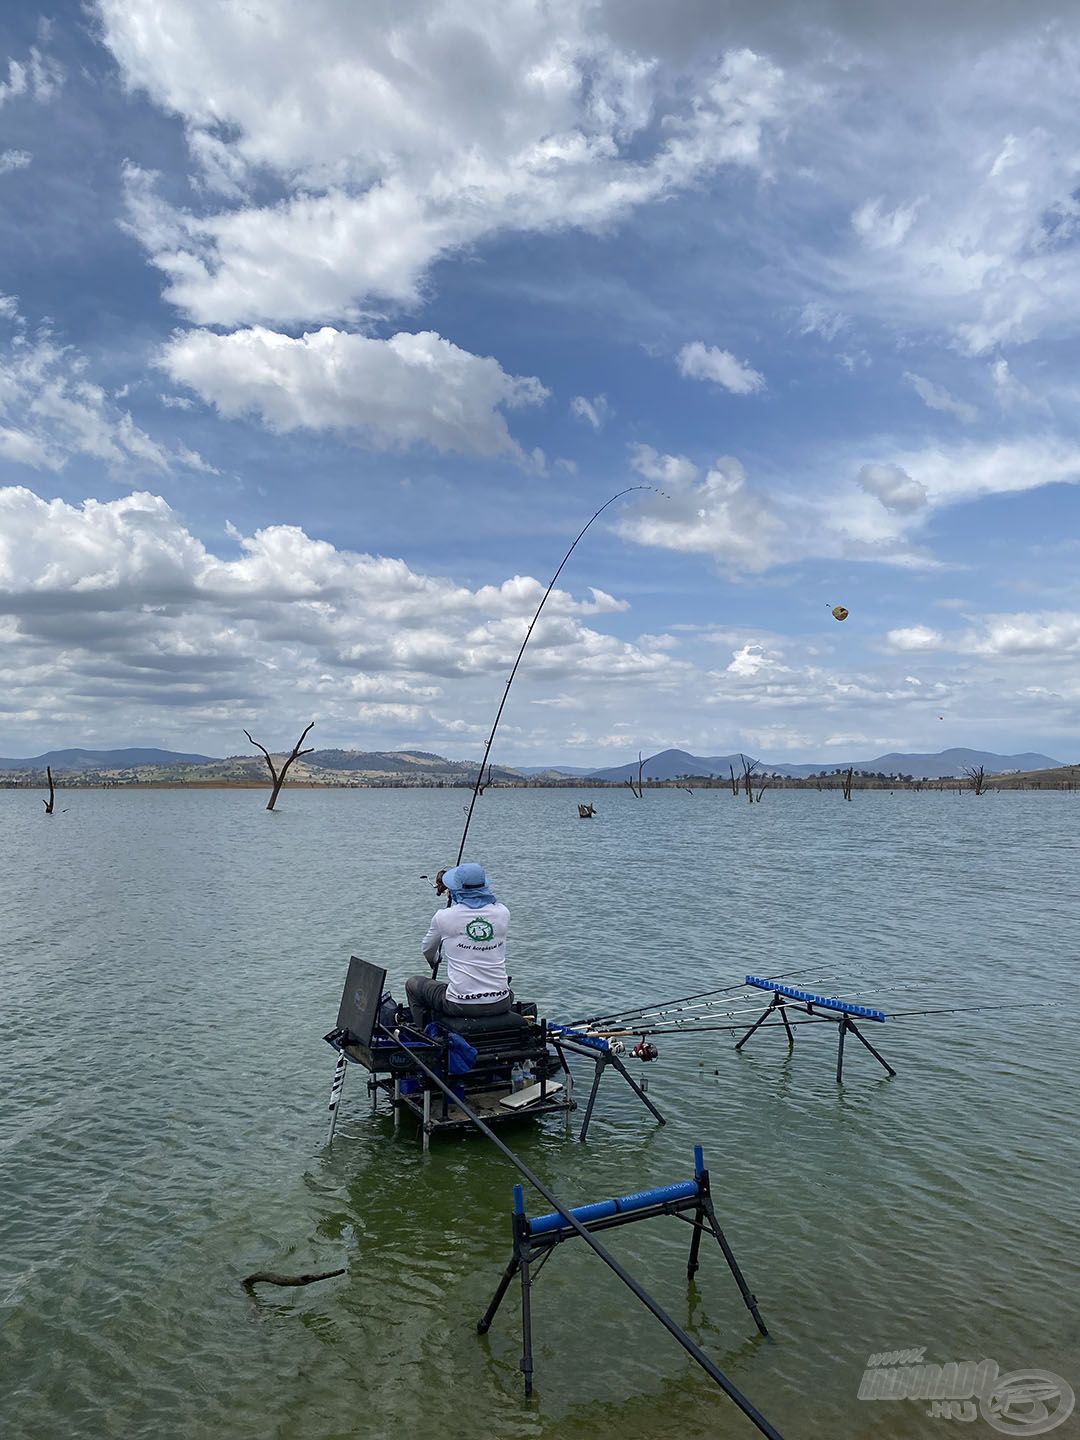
{"type": "Point", "coordinates": [427, 1000]}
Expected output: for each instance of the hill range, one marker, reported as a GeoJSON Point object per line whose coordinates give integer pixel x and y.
{"type": "Point", "coordinates": [422, 767]}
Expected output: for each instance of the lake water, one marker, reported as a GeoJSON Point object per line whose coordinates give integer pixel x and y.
{"type": "Point", "coordinates": [170, 961]}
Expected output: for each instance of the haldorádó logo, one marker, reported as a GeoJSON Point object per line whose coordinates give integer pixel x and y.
{"type": "Point", "coordinates": [480, 930]}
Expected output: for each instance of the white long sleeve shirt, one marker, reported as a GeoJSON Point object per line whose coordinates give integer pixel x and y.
{"type": "Point", "coordinates": [473, 944]}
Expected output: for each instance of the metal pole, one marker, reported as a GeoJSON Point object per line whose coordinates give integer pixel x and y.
{"type": "Point", "coordinates": [692, 1349]}
{"type": "Point", "coordinates": [840, 1049]}
{"type": "Point", "coordinates": [880, 1058]}
{"type": "Point", "coordinates": [336, 1087]}
{"type": "Point", "coordinates": [621, 1068]}
{"type": "Point", "coordinates": [768, 1011]}
{"type": "Point", "coordinates": [601, 1061]}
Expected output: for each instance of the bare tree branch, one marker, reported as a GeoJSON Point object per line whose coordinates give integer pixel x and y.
{"type": "Point", "coordinates": [271, 1277]}
{"type": "Point", "coordinates": [278, 776]}
{"type": "Point", "coordinates": [50, 802]}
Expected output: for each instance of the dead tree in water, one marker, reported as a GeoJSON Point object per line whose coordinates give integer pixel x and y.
{"type": "Point", "coordinates": [684, 787]}
{"type": "Point", "coordinates": [734, 782]}
{"type": "Point", "coordinates": [586, 812]}
{"type": "Point", "coordinates": [638, 790]}
{"type": "Point", "coordinates": [977, 775]}
{"type": "Point", "coordinates": [51, 801]}
{"type": "Point", "coordinates": [480, 787]}
{"type": "Point", "coordinates": [749, 767]}
{"type": "Point", "coordinates": [846, 783]}
{"type": "Point", "coordinates": [278, 776]}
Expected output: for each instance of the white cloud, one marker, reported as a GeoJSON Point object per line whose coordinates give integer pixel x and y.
{"type": "Point", "coordinates": [884, 229]}
{"type": "Point", "coordinates": [894, 487]}
{"type": "Point", "coordinates": [51, 411]}
{"type": "Point", "coordinates": [400, 391]}
{"type": "Point", "coordinates": [914, 638]}
{"type": "Point", "coordinates": [595, 412]}
{"type": "Point", "coordinates": [936, 397]}
{"type": "Point", "coordinates": [698, 361]}
{"type": "Point", "coordinates": [38, 77]}
{"type": "Point", "coordinates": [14, 160]}
{"type": "Point", "coordinates": [716, 514]}
{"type": "Point", "coordinates": [818, 319]}
{"type": "Point", "coordinates": [396, 146]}
{"type": "Point", "coordinates": [121, 612]}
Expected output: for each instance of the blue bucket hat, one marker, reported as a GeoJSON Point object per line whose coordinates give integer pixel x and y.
{"type": "Point", "coordinates": [468, 886]}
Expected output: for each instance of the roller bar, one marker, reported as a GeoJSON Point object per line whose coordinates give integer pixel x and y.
{"type": "Point", "coordinates": [864, 1012]}
{"type": "Point", "coordinates": [620, 1205]}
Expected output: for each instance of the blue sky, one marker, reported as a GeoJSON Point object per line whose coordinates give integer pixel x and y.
{"type": "Point", "coordinates": [325, 328]}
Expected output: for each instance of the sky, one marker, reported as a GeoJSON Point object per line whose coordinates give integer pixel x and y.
{"type": "Point", "coordinates": [324, 328]}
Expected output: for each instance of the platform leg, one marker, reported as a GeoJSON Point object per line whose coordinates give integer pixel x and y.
{"type": "Point", "coordinates": [336, 1087]}
{"type": "Point", "coordinates": [592, 1099]}
{"type": "Point", "coordinates": [749, 1299]}
{"type": "Point", "coordinates": [879, 1058]}
{"type": "Point", "coordinates": [695, 1243]}
{"type": "Point", "coordinates": [397, 1101]}
{"type": "Point", "coordinates": [427, 1118]}
{"type": "Point", "coordinates": [638, 1091]}
{"type": "Point", "coordinates": [760, 1021]}
{"type": "Point", "coordinates": [526, 1328]}
{"type": "Point", "coordinates": [840, 1049]}
{"type": "Point", "coordinates": [483, 1325]}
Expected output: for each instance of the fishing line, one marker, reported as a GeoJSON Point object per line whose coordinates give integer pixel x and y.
{"type": "Point", "coordinates": [528, 634]}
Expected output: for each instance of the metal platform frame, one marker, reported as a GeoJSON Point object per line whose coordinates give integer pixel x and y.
{"type": "Point", "coordinates": [535, 1240]}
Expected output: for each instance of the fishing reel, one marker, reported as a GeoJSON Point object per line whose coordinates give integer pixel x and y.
{"type": "Point", "coordinates": [645, 1050]}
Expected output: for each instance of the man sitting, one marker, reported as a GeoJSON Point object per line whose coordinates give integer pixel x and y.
{"type": "Point", "coordinates": [470, 935]}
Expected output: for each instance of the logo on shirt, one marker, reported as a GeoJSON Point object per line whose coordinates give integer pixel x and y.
{"type": "Point", "coordinates": [480, 930]}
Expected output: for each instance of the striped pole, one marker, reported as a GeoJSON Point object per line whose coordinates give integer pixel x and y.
{"type": "Point", "coordinates": [335, 1093]}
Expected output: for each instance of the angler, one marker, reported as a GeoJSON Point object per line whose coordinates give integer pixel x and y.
{"type": "Point", "coordinates": [470, 935]}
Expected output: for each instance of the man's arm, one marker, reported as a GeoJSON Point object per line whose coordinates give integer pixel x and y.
{"type": "Point", "coordinates": [432, 943]}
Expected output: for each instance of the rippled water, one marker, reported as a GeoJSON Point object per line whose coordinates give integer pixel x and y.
{"type": "Point", "coordinates": [170, 961]}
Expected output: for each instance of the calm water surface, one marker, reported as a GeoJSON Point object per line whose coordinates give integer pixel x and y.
{"type": "Point", "coordinates": [169, 962]}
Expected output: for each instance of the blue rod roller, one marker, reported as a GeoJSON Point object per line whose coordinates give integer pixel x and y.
{"type": "Point", "coordinates": [595, 1042]}
{"type": "Point", "coordinates": [826, 1002]}
{"type": "Point", "coordinates": [699, 1162]}
{"type": "Point", "coordinates": [519, 1200]}
{"type": "Point", "coordinates": [621, 1205]}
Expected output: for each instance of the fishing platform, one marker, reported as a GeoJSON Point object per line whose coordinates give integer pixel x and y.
{"type": "Point", "coordinates": [509, 1066]}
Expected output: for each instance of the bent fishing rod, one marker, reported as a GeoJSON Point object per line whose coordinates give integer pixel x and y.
{"type": "Point", "coordinates": [528, 635]}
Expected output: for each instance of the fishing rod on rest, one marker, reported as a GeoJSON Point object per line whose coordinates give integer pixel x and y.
{"type": "Point", "coordinates": [528, 635]}
{"type": "Point", "coordinates": [612, 1015]}
{"type": "Point", "coordinates": [890, 1015]}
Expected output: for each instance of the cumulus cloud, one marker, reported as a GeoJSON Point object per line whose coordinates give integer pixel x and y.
{"type": "Point", "coordinates": [915, 637]}
{"type": "Point", "coordinates": [594, 412]}
{"type": "Point", "coordinates": [400, 391]}
{"type": "Point", "coordinates": [50, 411]}
{"type": "Point", "coordinates": [117, 609]}
{"type": "Point", "coordinates": [936, 397]}
{"type": "Point", "coordinates": [716, 514]}
{"type": "Point", "coordinates": [698, 361]}
{"type": "Point", "coordinates": [14, 160]}
{"type": "Point", "coordinates": [894, 487]}
{"type": "Point", "coordinates": [393, 147]}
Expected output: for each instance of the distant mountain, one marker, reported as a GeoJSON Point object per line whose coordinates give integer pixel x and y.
{"type": "Point", "coordinates": [569, 771]}
{"type": "Point", "coordinates": [952, 762]}
{"type": "Point", "coordinates": [402, 762]}
{"type": "Point", "coordinates": [671, 764]}
{"type": "Point", "coordinates": [103, 759]}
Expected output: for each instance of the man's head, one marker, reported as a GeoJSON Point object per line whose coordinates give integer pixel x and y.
{"type": "Point", "coordinates": [466, 878]}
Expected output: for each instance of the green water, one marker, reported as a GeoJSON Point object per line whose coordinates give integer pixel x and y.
{"type": "Point", "coordinates": [171, 960]}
